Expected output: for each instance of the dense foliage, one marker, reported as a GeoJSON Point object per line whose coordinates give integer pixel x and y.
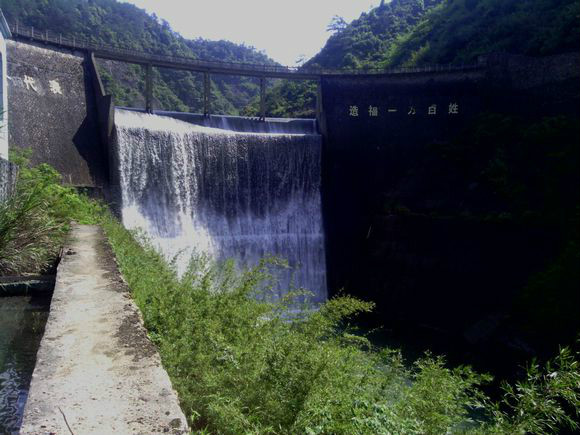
{"type": "Point", "coordinates": [364, 42]}
{"type": "Point", "coordinates": [35, 220]}
{"type": "Point", "coordinates": [460, 30]}
{"type": "Point", "coordinates": [243, 365]}
{"type": "Point", "coordinates": [419, 32]}
{"type": "Point", "coordinates": [415, 32]}
{"type": "Point", "coordinates": [122, 24]}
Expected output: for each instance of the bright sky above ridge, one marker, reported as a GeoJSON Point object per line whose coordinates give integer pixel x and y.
{"type": "Point", "coordinates": [284, 29]}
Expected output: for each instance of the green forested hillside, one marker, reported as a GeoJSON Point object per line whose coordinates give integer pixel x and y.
{"type": "Point", "coordinates": [396, 33]}
{"type": "Point", "coordinates": [123, 24]}
{"type": "Point", "coordinates": [419, 32]}
{"type": "Point", "coordinates": [460, 30]}
{"type": "Point", "coordinates": [364, 42]}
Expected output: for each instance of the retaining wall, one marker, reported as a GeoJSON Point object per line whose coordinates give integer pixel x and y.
{"type": "Point", "coordinates": [53, 112]}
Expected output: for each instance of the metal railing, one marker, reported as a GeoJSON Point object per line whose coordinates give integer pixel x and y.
{"type": "Point", "coordinates": [237, 68]}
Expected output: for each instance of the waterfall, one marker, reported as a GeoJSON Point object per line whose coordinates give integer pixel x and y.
{"type": "Point", "coordinates": [228, 194]}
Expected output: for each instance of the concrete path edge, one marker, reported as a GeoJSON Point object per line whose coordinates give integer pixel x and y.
{"type": "Point", "coordinates": [97, 372]}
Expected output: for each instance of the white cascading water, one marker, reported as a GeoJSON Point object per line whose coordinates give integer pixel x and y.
{"type": "Point", "coordinates": [227, 194]}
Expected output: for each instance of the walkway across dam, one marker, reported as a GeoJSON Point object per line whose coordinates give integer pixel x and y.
{"type": "Point", "coordinates": [97, 372]}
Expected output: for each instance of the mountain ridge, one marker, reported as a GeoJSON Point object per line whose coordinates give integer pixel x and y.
{"type": "Point", "coordinates": [110, 22]}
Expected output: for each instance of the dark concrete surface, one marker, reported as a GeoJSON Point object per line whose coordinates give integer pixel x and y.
{"type": "Point", "coordinates": [53, 112]}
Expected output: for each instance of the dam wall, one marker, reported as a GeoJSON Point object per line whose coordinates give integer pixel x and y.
{"type": "Point", "coordinates": [8, 174]}
{"type": "Point", "coordinates": [405, 225]}
{"type": "Point", "coordinates": [53, 112]}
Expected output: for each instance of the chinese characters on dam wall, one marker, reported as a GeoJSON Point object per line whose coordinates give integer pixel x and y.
{"type": "Point", "coordinates": [431, 110]}
{"type": "Point", "coordinates": [378, 130]}
{"type": "Point", "coordinates": [33, 85]}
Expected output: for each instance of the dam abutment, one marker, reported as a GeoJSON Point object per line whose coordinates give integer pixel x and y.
{"type": "Point", "coordinates": [54, 112]}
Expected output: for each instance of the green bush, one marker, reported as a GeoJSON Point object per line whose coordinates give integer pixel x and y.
{"type": "Point", "coordinates": [29, 239]}
{"type": "Point", "coordinates": [243, 365]}
{"type": "Point", "coordinates": [35, 220]}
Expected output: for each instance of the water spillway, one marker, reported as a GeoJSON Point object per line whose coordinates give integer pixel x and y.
{"type": "Point", "coordinates": [241, 195]}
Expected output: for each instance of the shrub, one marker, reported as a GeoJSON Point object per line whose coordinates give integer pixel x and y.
{"type": "Point", "coordinates": [35, 220]}
{"type": "Point", "coordinates": [242, 364]}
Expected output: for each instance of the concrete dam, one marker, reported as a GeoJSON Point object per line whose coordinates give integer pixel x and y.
{"type": "Point", "coordinates": [312, 198]}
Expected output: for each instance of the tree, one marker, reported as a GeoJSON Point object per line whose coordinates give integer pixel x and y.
{"type": "Point", "coordinates": [337, 24]}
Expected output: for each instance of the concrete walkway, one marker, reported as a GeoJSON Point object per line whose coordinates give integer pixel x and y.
{"type": "Point", "coordinates": [97, 373]}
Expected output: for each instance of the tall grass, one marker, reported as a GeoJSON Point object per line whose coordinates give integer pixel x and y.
{"type": "Point", "coordinates": [35, 219]}
{"type": "Point", "coordinates": [29, 239]}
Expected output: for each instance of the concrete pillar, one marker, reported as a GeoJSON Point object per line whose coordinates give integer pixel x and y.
{"type": "Point", "coordinates": [149, 88]}
{"type": "Point", "coordinates": [262, 98]}
{"type": "Point", "coordinates": [319, 104]}
{"type": "Point", "coordinates": [206, 94]}
{"type": "Point", "coordinates": [4, 34]}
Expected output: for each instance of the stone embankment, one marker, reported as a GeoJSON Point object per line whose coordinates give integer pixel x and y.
{"type": "Point", "coordinates": [97, 373]}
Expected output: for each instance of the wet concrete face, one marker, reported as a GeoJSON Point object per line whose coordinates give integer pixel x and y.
{"type": "Point", "coordinates": [3, 101]}
{"type": "Point", "coordinates": [8, 173]}
{"type": "Point", "coordinates": [97, 371]}
{"type": "Point", "coordinates": [53, 112]}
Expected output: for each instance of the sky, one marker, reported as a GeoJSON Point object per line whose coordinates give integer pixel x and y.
{"type": "Point", "coordinates": [284, 29]}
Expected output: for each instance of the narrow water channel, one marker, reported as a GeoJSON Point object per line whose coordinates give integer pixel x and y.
{"type": "Point", "coordinates": [22, 321]}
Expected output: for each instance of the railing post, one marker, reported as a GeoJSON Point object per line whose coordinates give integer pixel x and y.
{"type": "Point", "coordinates": [31, 32]}
{"type": "Point", "coordinates": [262, 98]}
{"type": "Point", "coordinates": [149, 88]}
{"type": "Point", "coordinates": [73, 42]}
{"type": "Point", "coordinates": [206, 93]}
